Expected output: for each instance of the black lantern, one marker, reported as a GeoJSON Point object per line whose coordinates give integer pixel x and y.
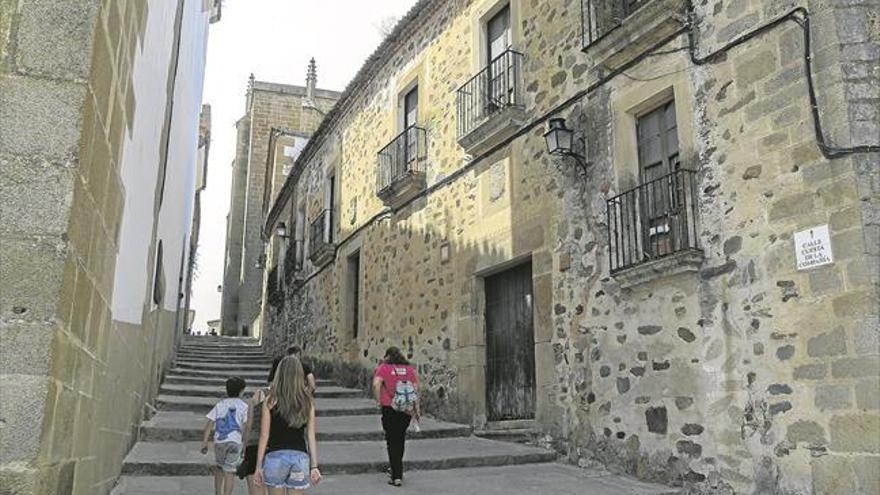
{"type": "Point", "coordinates": [558, 137]}
{"type": "Point", "coordinates": [281, 230]}
{"type": "Point", "coordinates": [560, 142]}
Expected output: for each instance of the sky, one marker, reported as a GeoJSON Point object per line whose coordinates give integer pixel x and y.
{"type": "Point", "coordinates": [274, 40]}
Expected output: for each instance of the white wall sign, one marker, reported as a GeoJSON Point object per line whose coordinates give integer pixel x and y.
{"type": "Point", "coordinates": [813, 247]}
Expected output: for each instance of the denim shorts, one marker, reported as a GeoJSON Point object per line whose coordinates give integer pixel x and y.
{"type": "Point", "coordinates": [286, 468]}
{"type": "Point", "coordinates": [228, 456]}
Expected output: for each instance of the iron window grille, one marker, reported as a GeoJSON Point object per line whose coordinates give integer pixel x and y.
{"type": "Point", "coordinates": [496, 87]}
{"type": "Point", "coordinates": [600, 17]}
{"type": "Point", "coordinates": [652, 221]}
{"type": "Point", "coordinates": [403, 156]}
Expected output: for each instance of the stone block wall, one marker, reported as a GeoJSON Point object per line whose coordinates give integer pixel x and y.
{"type": "Point", "coordinates": [73, 382]}
{"type": "Point", "coordinates": [744, 376]}
{"type": "Point", "coordinates": [269, 106]}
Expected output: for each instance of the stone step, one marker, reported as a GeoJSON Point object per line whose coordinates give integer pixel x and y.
{"type": "Point", "coordinates": [220, 381]}
{"type": "Point", "coordinates": [221, 355]}
{"type": "Point", "coordinates": [237, 351]}
{"type": "Point", "coordinates": [323, 407]}
{"type": "Point", "coordinates": [218, 392]}
{"type": "Point", "coordinates": [523, 479]}
{"type": "Point", "coordinates": [226, 362]}
{"type": "Point", "coordinates": [228, 368]}
{"type": "Point", "coordinates": [515, 435]}
{"type": "Point", "coordinates": [184, 458]}
{"type": "Point", "coordinates": [177, 426]}
{"type": "Point", "coordinates": [260, 375]}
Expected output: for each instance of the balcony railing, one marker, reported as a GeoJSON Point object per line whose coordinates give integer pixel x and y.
{"type": "Point", "coordinates": [496, 87]}
{"type": "Point", "coordinates": [653, 220]}
{"type": "Point", "coordinates": [293, 258]}
{"type": "Point", "coordinates": [321, 247]}
{"type": "Point", "coordinates": [405, 155]}
{"type": "Point", "coordinates": [599, 17]}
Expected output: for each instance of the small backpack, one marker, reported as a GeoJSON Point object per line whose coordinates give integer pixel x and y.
{"type": "Point", "coordinates": [405, 397]}
{"type": "Point", "coordinates": [227, 424]}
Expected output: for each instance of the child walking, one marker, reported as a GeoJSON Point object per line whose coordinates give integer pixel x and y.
{"type": "Point", "coordinates": [395, 386]}
{"type": "Point", "coordinates": [226, 420]}
{"type": "Point", "coordinates": [287, 454]}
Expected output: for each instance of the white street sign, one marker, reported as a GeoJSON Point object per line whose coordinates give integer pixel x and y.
{"type": "Point", "coordinates": [813, 247]}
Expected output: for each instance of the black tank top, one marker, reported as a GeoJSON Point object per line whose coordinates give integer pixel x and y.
{"type": "Point", "coordinates": [285, 437]}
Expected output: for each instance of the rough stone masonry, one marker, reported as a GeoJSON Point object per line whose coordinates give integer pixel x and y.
{"type": "Point", "coordinates": [673, 337]}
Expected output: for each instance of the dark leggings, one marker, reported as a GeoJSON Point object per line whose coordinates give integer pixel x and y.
{"type": "Point", "coordinates": [395, 424]}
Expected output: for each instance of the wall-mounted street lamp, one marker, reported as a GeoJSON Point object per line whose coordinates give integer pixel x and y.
{"type": "Point", "coordinates": [560, 142]}
{"type": "Point", "coordinates": [281, 230]}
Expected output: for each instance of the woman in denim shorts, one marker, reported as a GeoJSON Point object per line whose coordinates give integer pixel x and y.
{"type": "Point", "coordinates": [285, 462]}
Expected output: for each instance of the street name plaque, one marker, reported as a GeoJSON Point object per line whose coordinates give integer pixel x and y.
{"type": "Point", "coordinates": [813, 247]}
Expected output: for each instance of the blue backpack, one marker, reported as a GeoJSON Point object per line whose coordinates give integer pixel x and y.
{"type": "Point", "coordinates": [227, 424]}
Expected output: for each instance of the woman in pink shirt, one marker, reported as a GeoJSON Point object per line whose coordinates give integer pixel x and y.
{"type": "Point", "coordinates": [395, 385]}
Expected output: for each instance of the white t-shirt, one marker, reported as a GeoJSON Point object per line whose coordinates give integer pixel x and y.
{"type": "Point", "coordinates": [229, 417]}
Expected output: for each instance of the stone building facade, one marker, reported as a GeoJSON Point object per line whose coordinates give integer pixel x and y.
{"type": "Point", "coordinates": [641, 303]}
{"type": "Point", "coordinates": [98, 137]}
{"type": "Point", "coordinates": [278, 116]}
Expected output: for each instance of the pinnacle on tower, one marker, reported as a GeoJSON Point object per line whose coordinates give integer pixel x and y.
{"type": "Point", "coordinates": [311, 81]}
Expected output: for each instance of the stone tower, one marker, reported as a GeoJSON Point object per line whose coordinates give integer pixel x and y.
{"type": "Point", "coordinates": [278, 120]}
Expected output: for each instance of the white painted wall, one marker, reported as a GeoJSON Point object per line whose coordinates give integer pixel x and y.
{"type": "Point", "coordinates": [175, 215]}
{"type": "Point", "coordinates": [141, 159]}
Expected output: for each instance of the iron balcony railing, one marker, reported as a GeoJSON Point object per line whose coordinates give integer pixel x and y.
{"type": "Point", "coordinates": [599, 17]}
{"type": "Point", "coordinates": [653, 220]}
{"type": "Point", "coordinates": [320, 235]}
{"type": "Point", "coordinates": [493, 89]}
{"type": "Point", "coordinates": [403, 156]}
{"type": "Point", "coordinates": [293, 258]}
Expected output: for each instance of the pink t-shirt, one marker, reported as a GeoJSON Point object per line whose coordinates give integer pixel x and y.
{"type": "Point", "coordinates": [391, 374]}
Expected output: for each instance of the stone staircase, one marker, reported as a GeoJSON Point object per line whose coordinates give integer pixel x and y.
{"type": "Point", "coordinates": [351, 448]}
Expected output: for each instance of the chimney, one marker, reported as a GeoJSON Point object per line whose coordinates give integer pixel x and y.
{"type": "Point", "coordinates": [311, 83]}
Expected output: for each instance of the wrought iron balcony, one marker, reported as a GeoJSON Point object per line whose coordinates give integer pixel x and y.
{"type": "Point", "coordinates": [321, 246]}
{"type": "Point", "coordinates": [293, 259]}
{"type": "Point", "coordinates": [489, 96]}
{"type": "Point", "coordinates": [599, 17]}
{"type": "Point", "coordinates": [614, 32]}
{"type": "Point", "coordinates": [652, 221]}
{"type": "Point", "coordinates": [401, 166]}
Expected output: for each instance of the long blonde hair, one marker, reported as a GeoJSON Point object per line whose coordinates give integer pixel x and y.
{"type": "Point", "coordinates": [289, 394]}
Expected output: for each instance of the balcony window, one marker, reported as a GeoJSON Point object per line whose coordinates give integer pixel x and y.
{"type": "Point", "coordinates": [293, 259]}
{"type": "Point", "coordinates": [599, 17]}
{"type": "Point", "coordinates": [655, 220]}
{"type": "Point", "coordinates": [490, 104]}
{"type": "Point", "coordinates": [615, 32]}
{"type": "Point", "coordinates": [401, 166]}
{"type": "Point", "coordinates": [321, 248]}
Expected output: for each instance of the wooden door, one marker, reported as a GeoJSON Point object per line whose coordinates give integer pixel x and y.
{"type": "Point", "coordinates": [510, 345]}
